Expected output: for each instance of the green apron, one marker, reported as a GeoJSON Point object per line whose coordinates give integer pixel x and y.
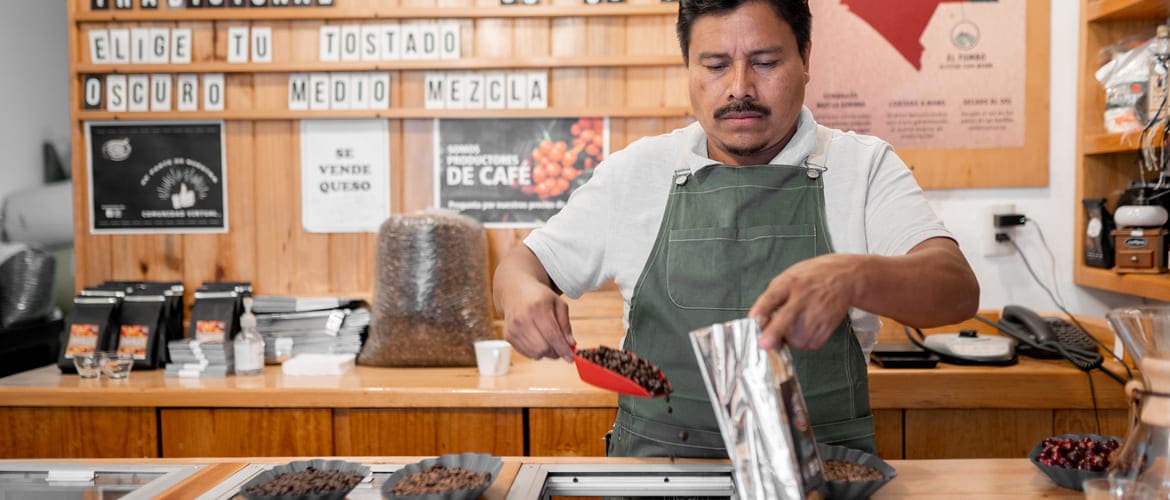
{"type": "Point", "coordinates": [727, 231]}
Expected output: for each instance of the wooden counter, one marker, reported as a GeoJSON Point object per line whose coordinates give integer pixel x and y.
{"type": "Point", "coordinates": [537, 409]}
{"type": "Point", "coordinates": [978, 478]}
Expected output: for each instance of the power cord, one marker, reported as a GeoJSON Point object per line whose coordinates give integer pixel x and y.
{"type": "Point", "coordinates": [1060, 304]}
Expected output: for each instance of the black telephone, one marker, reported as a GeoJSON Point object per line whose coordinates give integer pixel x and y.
{"type": "Point", "coordinates": [1048, 338]}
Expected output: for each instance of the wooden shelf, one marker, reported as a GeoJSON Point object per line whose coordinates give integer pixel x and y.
{"type": "Point", "coordinates": [1151, 286]}
{"type": "Point", "coordinates": [1114, 143]}
{"type": "Point", "coordinates": [399, 65]}
{"type": "Point", "coordinates": [307, 14]}
{"type": "Point", "coordinates": [1113, 10]}
{"type": "Point", "coordinates": [399, 113]}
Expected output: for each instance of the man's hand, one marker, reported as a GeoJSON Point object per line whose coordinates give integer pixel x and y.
{"type": "Point", "coordinates": [932, 285]}
{"type": "Point", "coordinates": [536, 323]}
{"type": "Point", "coordinates": [536, 318]}
{"type": "Point", "coordinates": [805, 303]}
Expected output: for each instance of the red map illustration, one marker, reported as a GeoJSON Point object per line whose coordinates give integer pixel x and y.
{"type": "Point", "coordinates": [901, 22]}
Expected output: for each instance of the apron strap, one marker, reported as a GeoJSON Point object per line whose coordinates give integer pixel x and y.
{"type": "Point", "coordinates": [818, 162]}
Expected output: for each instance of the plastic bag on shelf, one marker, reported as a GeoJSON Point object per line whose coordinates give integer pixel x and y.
{"type": "Point", "coordinates": [431, 297]}
{"type": "Point", "coordinates": [1124, 76]}
{"type": "Point", "coordinates": [26, 285]}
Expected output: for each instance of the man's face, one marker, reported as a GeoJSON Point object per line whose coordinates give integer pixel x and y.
{"type": "Point", "coordinates": [747, 81]}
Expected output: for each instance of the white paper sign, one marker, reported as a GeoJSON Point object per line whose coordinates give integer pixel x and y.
{"type": "Point", "coordinates": [237, 44]}
{"type": "Point", "coordinates": [345, 175]}
{"type": "Point", "coordinates": [99, 46]}
{"type": "Point", "coordinates": [138, 93]}
{"type": "Point", "coordinates": [213, 92]}
{"type": "Point", "coordinates": [262, 44]}
{"type": "Point", "coordinates": [330, 43]}
{"type": "Point", "coordinates": [181, 46]}
{"type": "Point", "coordinates": [160, 92]}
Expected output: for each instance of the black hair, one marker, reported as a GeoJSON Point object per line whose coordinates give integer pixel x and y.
{"type": "Point", "coordinates": [795, 12]}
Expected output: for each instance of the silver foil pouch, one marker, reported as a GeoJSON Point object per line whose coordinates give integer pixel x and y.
{"type": "Point", "coordinates": [761, 412]}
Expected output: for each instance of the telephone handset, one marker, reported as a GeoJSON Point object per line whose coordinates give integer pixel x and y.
{"type": "Point", "coordinates": [1049, 338]}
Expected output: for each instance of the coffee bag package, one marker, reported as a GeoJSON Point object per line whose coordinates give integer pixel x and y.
{"type": "Point", "coordinates": [142, 324]}
{"type": "Point", "coordinates": [431, 292]}
{"type": "Point", "coordinates": [761, 412]}
{"type": "Point", "coordinates": [171, 321]}
{"type": "Point", "coordinates": [214, 317]}
{"type": "Point", "coordinates": [91, 325]}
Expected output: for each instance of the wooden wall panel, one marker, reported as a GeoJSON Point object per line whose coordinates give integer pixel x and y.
{"type": "Point", "coordinates": [218, 257]}
{"type": "Point", "coordinates": [246, 432]}
{"type": "Point", "coordinates": [974, 433]}
{"type": "Point", "coordinates": [406, 432]}
{"type": "Point", "coordinates": [569, 432]}
{"type": "Point", "coordinates": [266, 244]}
{"type": "Point", "coordinates": [889, 432]}
{"type": "Point", "coordinates": [78, 433]}
{"type": "Point", "coordinates": [1113, 422]}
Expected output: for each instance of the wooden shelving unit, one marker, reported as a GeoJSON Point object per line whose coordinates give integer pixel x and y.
{"type": "Point", "coordinates": [394, 113]}
{"type": "Point", "coordinates": [385, 11]}
{"type": "Point", "coordinates": [1106, 163]}
{"type": "Point", "coordinates": [411, 65]}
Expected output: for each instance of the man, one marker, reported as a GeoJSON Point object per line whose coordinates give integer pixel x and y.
{"type": "Point", "coordinates": [752, 211]}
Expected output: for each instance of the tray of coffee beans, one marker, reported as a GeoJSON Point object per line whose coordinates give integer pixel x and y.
{"type": "Point", "coordinates": [851, 473]}
{"type": "Point", "coordinates": [461, 476]}
{"type": "Point", "coordinates": [620, 371]}
{"type": "Point", "coordinates": [306, 480]}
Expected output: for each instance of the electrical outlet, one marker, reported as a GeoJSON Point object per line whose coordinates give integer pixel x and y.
{"type": "Point", "coordinates": [992, 248]}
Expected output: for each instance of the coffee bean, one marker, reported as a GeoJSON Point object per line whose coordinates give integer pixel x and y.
{"type": "Point", "coordinates": [307, 482]}
{"type": "Point", "coordinates": [840, 470]}
{"type": "Point", "coordinates": [629, 365]}
{"type": "Point", "coordinates": [440, 479]}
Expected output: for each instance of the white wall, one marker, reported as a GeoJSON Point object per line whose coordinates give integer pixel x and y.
{"type": "Point", "coordinates": [1005, 280]}
{"type": "Point", "coordinates": [34, 89]}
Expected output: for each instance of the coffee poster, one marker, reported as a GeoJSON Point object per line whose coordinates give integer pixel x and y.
{"type": "Point", "coordinates": [156, 177]}
{"type": "Point", "coordinates": [515, 172]}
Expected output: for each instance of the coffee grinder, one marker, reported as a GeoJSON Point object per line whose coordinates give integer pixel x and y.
{"type": "Point", "coordinates": [1139, 242]}
{"type": "Point", "coordinates": [1144, 459]}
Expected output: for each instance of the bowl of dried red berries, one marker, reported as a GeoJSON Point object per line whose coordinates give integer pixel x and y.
{"type": "Point", "coordinates": [453, 476]}
{"type": "Point", "coordinates": [851, 473]}
{"type": "Point", "coordinates": [1070, 459]}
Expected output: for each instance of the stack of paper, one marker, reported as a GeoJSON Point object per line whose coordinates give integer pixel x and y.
{"type": "Point", "coordinates": [283, 304]}
{"type": "Point", "coordinates": [333, 331]}
{"type": "Point", "coordinates": [318, 364]}
{"type": "Point", "coordinates": [191, 358]}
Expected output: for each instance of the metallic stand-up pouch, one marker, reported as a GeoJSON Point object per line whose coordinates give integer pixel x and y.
{"type": "Point", "coordinates": [761, 412]}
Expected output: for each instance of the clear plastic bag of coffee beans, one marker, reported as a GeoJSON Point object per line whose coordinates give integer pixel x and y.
{"type": "Point", "coordinates": [431, 297]}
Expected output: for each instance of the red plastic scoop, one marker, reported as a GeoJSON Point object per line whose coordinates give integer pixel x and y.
{"type": "Point", "coordinates": [596, 375]}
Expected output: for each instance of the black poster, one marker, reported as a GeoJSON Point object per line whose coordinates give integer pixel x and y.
{"type": "Point", "coordinates": [515, 172]}
{"type": "Point", "coordinates": [157, 177]}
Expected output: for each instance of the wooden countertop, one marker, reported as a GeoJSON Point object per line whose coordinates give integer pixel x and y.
{"type": "Point", "coordinates": [1030, 384]}
{"type": "Point", "coordinates": [976, 478]}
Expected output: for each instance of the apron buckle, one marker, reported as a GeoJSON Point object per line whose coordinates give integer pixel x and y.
{"type": "Point", "coordinates": [681, 176]}
{"type": "Point", "coordinates": [814, 171]}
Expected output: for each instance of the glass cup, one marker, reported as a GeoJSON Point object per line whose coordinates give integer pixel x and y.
{"type": "Point", "coordinates": [116, 365]}
{"type": "Point", "coordinates": [1105, 488]}
{"type": "Point", "coordinates": [87, 365]}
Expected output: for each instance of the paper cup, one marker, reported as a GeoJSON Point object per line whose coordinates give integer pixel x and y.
{"type": "Point", "coordinates": [493, 357]}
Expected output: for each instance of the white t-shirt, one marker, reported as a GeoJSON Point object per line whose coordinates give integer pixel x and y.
{"type": "Point", "coordinates": [608, 227]}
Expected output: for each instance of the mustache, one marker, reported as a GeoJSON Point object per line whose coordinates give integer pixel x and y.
{"type": "Point", "coordinates": [742, 107]}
